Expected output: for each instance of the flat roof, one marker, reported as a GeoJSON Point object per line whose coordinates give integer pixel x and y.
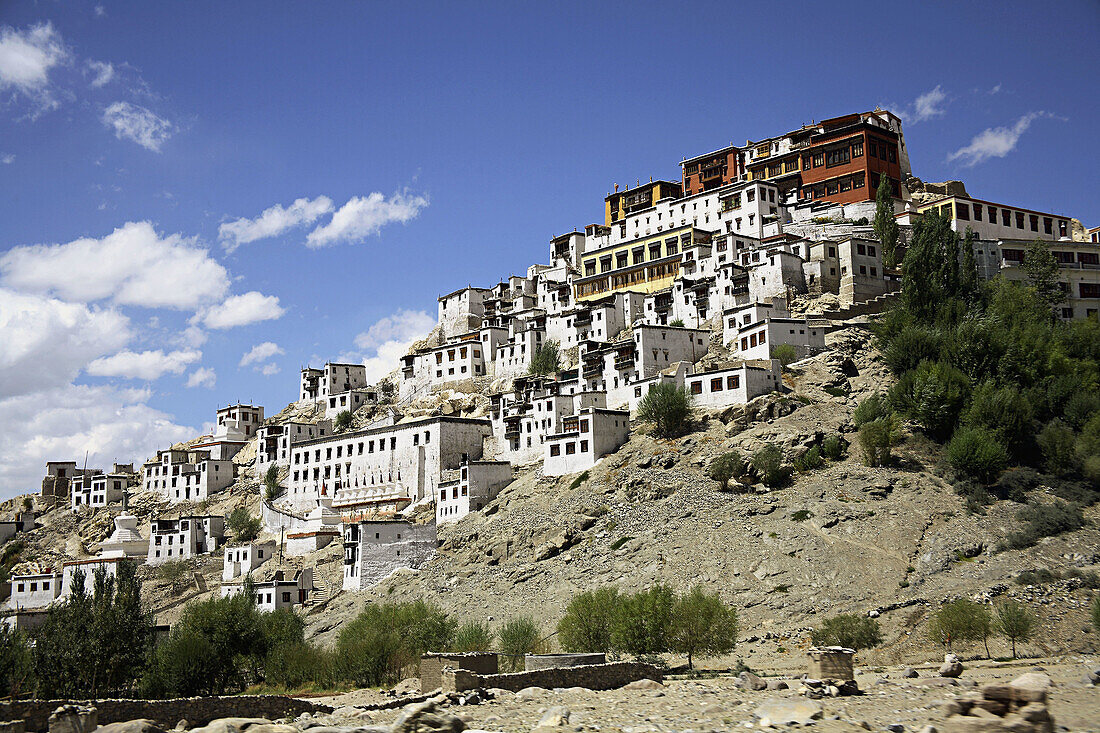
{"type": "Point", "coordinates": [726, 149]}
{"type": "Point", "coordinates": [933, 202]}
{"type": "Point", "coordinates": [336, 437]}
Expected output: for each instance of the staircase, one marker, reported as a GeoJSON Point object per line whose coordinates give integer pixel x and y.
{"type": "Point", "coordinates": [321, 591]}
{"type": "Point", "coordinates": [868, 307]}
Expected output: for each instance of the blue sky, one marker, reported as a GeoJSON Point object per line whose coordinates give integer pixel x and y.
{"type": "Point", "coordinates": [428, 145]}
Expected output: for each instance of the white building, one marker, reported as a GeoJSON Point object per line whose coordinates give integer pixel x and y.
{"type": "Point", "coordinates": [34, 590]}
{"type": "Point", "coordinates": [333, 379]}
{"type": "Point", "coordinates": [186, 475]}
{"type": "Point", "coordinates": [462, 310]}
{"type": "Point", "coordinates": [373, 549]}
{"type": "Point", "coordinates": [273, 445]}
{"type": "Point", "coordinates": [406, 460]}
{"type": "Point", "coordinates": [23, 522]}
{"type": "Point", "coordinates": [350, 401]}
{"type": "Point", "coordinates": [734, 385]}
{"type": "Point", "coordinates": [240, 560]}
{"type": "Point", "coordinates": [184, 537]}
{"type": "Point", "coordinates": [1078, 271]}
{"type": "Point", "coordinates": [98, 490]}
{"type": "Point", "coordinates": [276, 592]}
{"type": "Point", "coordinates": [125, 541]}
{"type": "Point", "coordinates": [754, 330]}
{"type": "Point", "coordinates": [238, 423]}
{"type": "Point", "coordinates": [585, 438]}
{"type": "Point", "coordinates": [989, 220]}
{"type": "Point", "coordinates": [475, 485]}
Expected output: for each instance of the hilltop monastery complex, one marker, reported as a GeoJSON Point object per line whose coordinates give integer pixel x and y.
{"type": "Point", "coordinates": [706, 269]}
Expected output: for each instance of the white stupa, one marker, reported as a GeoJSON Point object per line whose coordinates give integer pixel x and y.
{"type": "Point", "coordinates": [126, 540]}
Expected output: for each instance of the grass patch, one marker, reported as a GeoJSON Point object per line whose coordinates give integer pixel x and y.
{"type": "Point", "coordinates": [578, 480]}
{"type": "Point", "coordinates": [620, 542]}
{"type": "Point", "coordinates": [836, 391]}
{"type": "Point", "coordinates": [801, 515]}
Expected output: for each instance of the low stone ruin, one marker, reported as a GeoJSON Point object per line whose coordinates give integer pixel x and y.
{"type": "Point", "coordinates": [1018, 707]}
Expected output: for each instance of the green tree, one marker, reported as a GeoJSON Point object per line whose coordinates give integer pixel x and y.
{"type": "Point", "coordinates": [968, 272]}
{"type": "Point", "coordinates": [877, 439]}
{"type": "Point", "coordinates": [870, 409]}
{"type": "Point", "coordinates": [386, 639]}
{"type": "Point", "coordinates": [519, 636]}
{"type": "Point", "coordinates": [343, 420]}
{"type": "Point", "coordinates": [473, 636]}
{"type": "Point", "coordinates": [1041, 268]}
{"type": "Point", "coordinates": [668, 408]}
{"type": "Point", "coordinates": [931, 268]}
{"type": "Point", "coordinates": [848, 630]}
{"type": "Point", "coordinates": [976, 453]}
{"type": "Point", "coordinates": [725, 467]}
{"type": "Point", "coordinates": [271, 479]}
{"type": "Point", "coordinates": [16, 663]}
{"type": "Point", "coordinates": [1015, 622]}
{"type": "Point", "coordinates": [1004, 411]}
{"type": "Point", "coordinates": [786, 354]}
{"type": "Point", "coordinates": [768, 465]}
{"type": "Point", "coordinates": [94, 644]}
{"type": "Point", "coordinates": [176, 573]}
{"type": "Point", "coordinates": [886, 226]}
{"type": "Point", "coordinates": [956, 621]}
{"type": "Point", "coordinates": [702, 625]}
{"type": "Point", "coordinates": [243, 525]}
{"type": "Point", "coordinates": [933, 395]}
{"type": "Point", "coordinates": [586, 625]}
{"type": "Point", "coordinates": [1058, 444]}
{"type": "Point", "coordinates": [641, 624]}
{"type": "Point", "coordinates": [546, 359]}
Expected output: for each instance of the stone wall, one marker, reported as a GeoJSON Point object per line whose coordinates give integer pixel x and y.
{"type": "Point", "coordinates": [831, 663]}
{"type": "Point", "coordinates": [431, 666]}
{"type": "Point", "coordinates": [593, 677]}
{"type": "Point", "coordinates": [535, 662]}
{"type": "Point", "coordinates": [195, 710]}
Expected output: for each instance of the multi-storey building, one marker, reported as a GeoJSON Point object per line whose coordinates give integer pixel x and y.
{"type": "Point", "coordinates": [644, 265]}
{"type": "Point", "coordinates": [1078, 271]}
{"type": "Point", "coordinates": [469, 489]}
{"type": "Point", "coordinates": [711, 170]}
{"type": "Point", "coordinates": [184, 475]}
{"type": "Point", "coordinates": [373, 549]}
{"type": "Point", "coordinates": [180, 538]}
{"type": "Point", "coordinates": [241, 560]}
{"type": "Point", "coordinates": [620, 205]}
{"type": "Point", "coordinates": [96, 490]}
{"type": "Point", "coordinates": [238, 422]}
{"type": "Point", "coordinates": [274, 441]}
{"type": "Point", "coordinates": [583, 439]}
{"type": "Point", "coordinates": [754, 330]}
{"type": "Point", "coordinates": [332, 379]}
{"type": "Point", "coordinates": [276, 592]}
{"type": "Point", "coordinates": [997, 221]}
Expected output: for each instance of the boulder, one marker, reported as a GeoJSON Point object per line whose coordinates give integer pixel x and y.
{"type": "Point", "coordinates": [141, 725]}
{"type": "Point", "coordinates": [645, 684]}
{"type": "Point", "coordinates": [74, 719]}
{"type": "Point", "coordinates": [554, 718]}
{"type": "Point", "coordinates": [778, 711]}
{"type": "Point", "coordinates": [426, 717]}
{"type": "Point", "coordinates": [909, 673]}
{"type": "Point", "coordinates": [230, 725]}
{"type": "Point", "coordinates": [749, 681]}
{"type": "Point", "coordinates": [951, 666]}
{"type": "Point", "coordinates": [1031, 687]}
{"type": "Point", "coordinates": [774, 685]}
{"type": "Point", "coordinates": [531, 693]}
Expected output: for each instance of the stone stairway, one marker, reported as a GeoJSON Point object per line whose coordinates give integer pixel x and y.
{"type": "Point", "coordinates": [868, 307]}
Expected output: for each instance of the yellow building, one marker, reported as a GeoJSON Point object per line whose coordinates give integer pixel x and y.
{"type": "Point", "coordinates": [621, 204]}
{"type": "Point", "coordinates": [643, 265]}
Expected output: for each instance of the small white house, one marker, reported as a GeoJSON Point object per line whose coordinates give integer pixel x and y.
{"type": "Point", "coordinates": [585, 438]}
{"type": "Point", "coordinates": [477, 483]}
{"type": "Point", "coordinates": [240, 560]}
{"type": "Point", "coordinates": [184, 537]}
{"type": "Point", "coordinates": [97, 490]}
{"type": "Point", "coordinates": [276, 592]}
{"type": "Point", "coordinates": [375, 548]}
{"type": "Point", "coordinates": [735, 385]}
{"type": "Point", "coordinates": [34, 590]}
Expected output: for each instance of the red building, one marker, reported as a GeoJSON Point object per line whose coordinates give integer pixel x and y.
{"type": "Point", "coordinates": [712, 170]}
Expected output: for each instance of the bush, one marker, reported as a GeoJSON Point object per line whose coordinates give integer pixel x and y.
{"type": "Point", "coordinates": [702, 625]}
{"type": "Point", "coordinates": [768, 465]}
{"type": "Point", "coordinates": [1004, 412]}
{"type": "Point", "coordinates": [1037, 577]}
{"type": "Point", "coordinates": [16, 663]}
{"type": "Point", "coordinates": [801, 515]}
{"type": "Point", "coordinates": [586, 625]}
{"type": "Point", "coordinates": [676, 323]}
{"type": "Point", "coordinates": [580, 479]}
{"type": "Point", "coordinates": [271, 482]}
{"type": "Point", "coordinates": [176, 573]}
{"type": "Point", "coordinates": [932, 395]}
{"type": "Point", "coordinates": [386, 639]}
{"type": "Point", "coordinates": [877, 438]}
{"type": "Point", "coordinates": [834, 447]}
{"type": "Point", "coordinates": [1094, 613]}
{"type": "Point", "coordinates": [909, 347]}
{"type": "Point", "coordinates": [960, 620]}
{"type": "Point", "coordinates": [641, 623]}
{"type": "Point", "coordinates": [1082, 406]}
{"type": "Point", "coordinates": [294, 666]}
{"type": "Point", "coordinates": [473, 636]}
{"type": "Point", "coordinates": [1015, 622]}
{"type": "Point", "coordinates": [975, 452]}
{"type": "Point", "coordinates": [343, 420]}
{"type": "Point", "coordinates": [1044, 520]}
{"type": "Point", "coordinates": [243, 525]}
{"type": "Point", "coordinates": [668, 408]}
{"type": "Point", "coordinates": [1057, 444]}
{"type": "Point", "coordinates": [785, 353]}
{"type": "Point", "coordinates": [1015, 483]}
{"type": "Point", "coordinates": [848, 630]}
{"type": "Point", "coordinates": [518, 637]}
{"type": "Point", "coordinates": [871, 409]}
{"type": "Point", "coordinates": [726, 466]}
{"type": "Point", "coordinates": [546, 359]}
{"type": "Point", "coordinates": [809, 460]}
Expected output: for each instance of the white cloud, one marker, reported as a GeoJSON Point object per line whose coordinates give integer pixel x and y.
{"type": "Point", "coordinates": [146, 365]}
{"type": "Point", "coordinates": [363, 216]}
{"type": "Point", "coordinates": [191, 337]}
{"type": "Point", "coordinates": [269, 369]}
{"type": "Point", "coordinates": [994, 142]}
{"type": "Point", "coordinates": [384, 343]}
{"type": "Point", "coordinates": [63, 422]}
{"type": "Point", "coordinates": [7, 158]}
{"type": "Point", "coordinates": [202, 377]}
{"type": "Point", "coordinates": [241, 310]}
{"type": "Point", "coordinates": [100, 11]}
{"type": "Point", "coordinates": [273, 221]}
{"type": "Point", "coordinates": [261, 353]}
{"type": "Point", "coordinates": [138, 124]}
{"type": "Point", "coordinates": [44, 342]}
{"type": "Point", "coordinates": [104, 72]}
{"type": "Point", "coordinates": [924, 107]}
{"type": "Point", "coordinates": [26, 58]}
{"type": "Point", "coordinates": [133, 265]}
{"type": "Point", "coordinates": [996, 89]}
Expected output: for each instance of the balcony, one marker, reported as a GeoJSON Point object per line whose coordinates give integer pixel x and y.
{"type": "Point", "coordinates": [593, 370]}
{"type": "Point", "coordinates": [583, 318]}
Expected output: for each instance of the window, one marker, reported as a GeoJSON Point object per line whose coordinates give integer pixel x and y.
{"type": "Point", "coordinates": [992, 211]}
{"type": "Point", "coordinates": [716, 384]}
{"type": "Point", "coordinates": [555, 450]}
{"type": "Point", "coordinates": [1019, 220]}
{"type": "Point", "coordinates": [733, 381]}
{"type": "Point", "coordinates": [962, 211]}
{"type": "Point", "coordinates": [1034, 223]}
{"type": "Point", "coordinates": [570, 448]}
{"type": "Point", "coordinates": [836, 157]}
{"type": "Point", "coordinates": [697, 387]}
{"type": "Point", "coordinates": [584, 446]}
{"type": "Point", "coordinates": [857, 149]}
{"type": "Point", "coordinates": [286, 597]}
{"type": "Point", "coordinates": [1006, 218]}
{"type": "Point", "coordinates": [819, 160]}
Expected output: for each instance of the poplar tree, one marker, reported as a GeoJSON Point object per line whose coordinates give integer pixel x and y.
{"type": "Point", "coordinates": [886, 226]}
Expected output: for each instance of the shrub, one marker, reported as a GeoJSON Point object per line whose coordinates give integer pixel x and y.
{"type": "Point", "coordinates": [271, 482]}
{"type": "Point", "coordinates": [243, 525]}
{"type": "Point", "coordinates": [176, 573]}
{"type": "Point", "coordinates": [959, 620]}
{"type": "Point", "coordinates": [785, 353]}
{"type": "Point", "coordinates": [801, 515]}
{"type": "Point", "coordinates": [1037, 577]}
{"type": "Point", "coordinates": [16, 663]}
{"type": "Point", "coordinates": [1004, 412]}
{"type": "Point", "coordinates": [641, 623]}
{"type": "Point", "coordinates": [586, 625]}
{"type": "Point", "coordinates": [702, 625]}
{"type": "Point", "coordinates": [871, 409]}
{"type": "Point", "coordinates": [1057, 444]}
{"type": "Point", "coordinates": [809, 460]}
{"type": "Point", "coordinates": [848, 630]}
{"type": "Point", "coordinates": [1015, 622]}
{"type": "Point", "coordinates": [386, 639]}
{"type": "Point", "coordinates": [910, 346]}
{"type": "Point", "coordinates": [343, 420]}
{"type": "Point", "coordinates": [293, 666]}
{"type": "Point", "coordinates": [834, 447]}
{"type": "Point", "coordinates": [1044, 520]}
{"type": "Point", "coordinates": [580, 479]}
{"type": "Point", "coordinates": [519, 636]}
{"type": "Point", "coordinates": [877, 438]}
{"type": "Point", "coordinates": [975, 452]}
{"type": "Point", "coordinates": [473, 636]}
{"type": "Point", "coordinates": [1094, 613]}
{"type": "Point", "coordinates": [1015, 483]}
{"type": "Point", "coordinates": [768, 465]}
{"type": "Point", "coordinates": [546, 359]}
{"type": "Point", "coordinates": [932, 395]}
{"type": "Point", "coordinates": [676, 323]}
{"type": "Point", "coordinates": [668, 408]}
{"type": "Point", "coordinates": [726, 466]}
{"type": "Point", "coordinates": [620, 542]}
